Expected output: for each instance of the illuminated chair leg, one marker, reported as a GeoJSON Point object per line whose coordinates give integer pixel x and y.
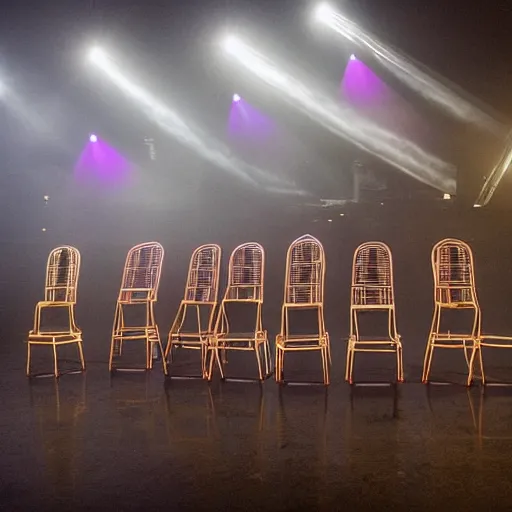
{"type": "Point", "coordinates": [476, 348]}
{"type": "Point", "coordinates": [399, 362]}
{"type": "Point", "coordinates": [258, 360]}
{"type": "Point", "coordinates": [427, 363]}
{"type": "Point", "coordinates": [81, 354]}
{"type": "Point", "coordinates": [55, 363]}
{"type": "Point", "coordinates": [28, 359]}
{"type": "Point", "coordinates": [325, 363]}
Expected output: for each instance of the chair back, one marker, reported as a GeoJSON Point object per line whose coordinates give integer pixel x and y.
{"type": "Point", "coordinates": [246, 271]}
{"type": "Point", "coordinates": [305, 272]}
{"type": "Point", "coordinates": [62, 273]}
{"type": "Point", "coordinates": [454, 275]}
{"type": "Point", "coordinates": [372, 276]}
{"type": "Point", "coordinates": [142, 270]}
{"type": "Point", "coordinates": [203, 275]}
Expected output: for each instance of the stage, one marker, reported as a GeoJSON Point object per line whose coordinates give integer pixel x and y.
{"type": "Point", "coordinates": [137, 441]}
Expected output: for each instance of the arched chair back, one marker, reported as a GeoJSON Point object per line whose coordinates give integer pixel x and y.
{"type": "Point", "coordinates": [305, 272]}
{"type": "Point", "coordinates": [62, 273]}
{"type": "Point", "coordinates": [203, 275]}
{"type": "Point", "coordinates": [245, 273]}
{"type": "Point", "coordinates": [201, 294]}
{"type": "Point", "coordinates": [245, 285]}
{"type": "Point", "coordinates": [142, 271]}
{"type": "Point", "coordinates": [61, 284]}
{"type": "Point", "coordinates": [455, 289]}
{"type": "Point", "coordinates": [454, 274]}
{"type": "Point", "coordinates": [304, 288]}
{"type": "Point", "coordinates": [139, 286]}
{"type": "Point", "coordinates": [372, 289]}
{"type": "Point", "coordinates": [372, 276]}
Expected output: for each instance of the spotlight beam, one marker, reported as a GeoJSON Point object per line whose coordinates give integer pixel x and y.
{"type": "Point", "coordinates": [500, 169]}
{"type": "Point", "coordinates": [419, 80]}
{"type": "Point", "coordinates": [344, 122]}
{"type": "Point", "coordinates": [173, 124]}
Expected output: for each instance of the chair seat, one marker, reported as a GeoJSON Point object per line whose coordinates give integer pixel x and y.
{"type": "Point", "coordinates": [301, 342]}
{"type": "Point", "coordinates": [49, 337]}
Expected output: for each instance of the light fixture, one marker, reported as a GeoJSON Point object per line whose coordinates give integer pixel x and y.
{"type": "Point", "coordinates": [477, 205]}
{"type": "Point", "coordinates": [447, 197]}
{"type": "Point", "coordinates": [353, 57]}
{"type": "Point", "coordinates": [93, 138]}
{"type": "Point", "coordinates": [236, 98]}
{"type": "Point", "coordinates": [323, 12]}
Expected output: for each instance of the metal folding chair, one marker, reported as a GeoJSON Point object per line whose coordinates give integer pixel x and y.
{"type": "Point", "coordinates": [371, 291]}
{"type": "Point", "coordinates": [303, 290]}
{"type": "Point", "coordinates": [201, 294]}
{"type": "Point", "coordinates": [62, 273]}
{"type": "Point", "coordinates": [245, 286]}
{"type": "Point", "coordinates": [454, 289]}
{"type": "Point", "coordinates": [139, 287]}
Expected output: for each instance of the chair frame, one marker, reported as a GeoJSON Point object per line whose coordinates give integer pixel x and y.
{"type": "Point", "coordinates": [57, 338]}
{"type": "Point", "coordinates": [285, 342]}
{"type": "Point", "coordinates": [148, 332]}
{"type": "Point", "coordinates": [450, 340]}
{"type": "Point", "coordinates": [387, 295]}
{"type": "Point", "coordinates": [199, 339]}
{"type": "Point", "coordinates": [254, 341]}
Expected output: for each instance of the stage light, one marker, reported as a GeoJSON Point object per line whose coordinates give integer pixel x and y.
{"type": "Point", "coordinates": [344, 122]}
{"type": "Point", "coordinates": [97, 55]}
{"type": "Point", "coordinates": [423, 81]}
{"type": "Point", "coordinates": [477, 205]}
{"type": "Point", "coordinates": [174, 124]}
{"type": "Point", "coordinates": [236, 98]}
{"type": "Point", "coordinates": [447, 197]}
{"type": "Point", "coordinates": [93, 138]}
{"type": "Point", "coordinates": [323, 12]}
{"type": "Point", "coordinates": [231, 44]}
{"type": "Point", "coordinates": [353, 57]}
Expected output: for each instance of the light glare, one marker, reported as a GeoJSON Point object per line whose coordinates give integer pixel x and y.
{"type": "Point", "coordinates": [236, 98]}
{"type": "Point", "coordinates": [323, 13]}
{"type": "Point", "coordinates": [93, 138]}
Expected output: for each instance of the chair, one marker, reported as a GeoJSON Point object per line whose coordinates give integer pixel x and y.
{"type": "Point", "coordinates": [62, 273]}
{"type": "Point", "coordinates": [201, 293]}
{"type": "Point", "coordinates": [245, 286]}
{"type": "Point", "coordinates": [454, 289]}
{"type": "Point", "coordinates": [303, 290]}
{"type": "Point", "coordinates": [371, 291]}
{"type": "Point", "coordinates": [139, 287]}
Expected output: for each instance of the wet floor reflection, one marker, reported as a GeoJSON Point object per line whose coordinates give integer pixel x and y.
{"type": "Point", "coordinates": [58, 411]}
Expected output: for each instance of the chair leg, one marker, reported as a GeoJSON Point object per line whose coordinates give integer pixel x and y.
{"type": "Point", "coordinates": [481, 357]}
{"type": "Point", "coordinates": [400, 363]}
{"type": "Point", "coordinates": [428, 361]}
{"type": "Point", "coordinates": [268, 357]}
{"type": "Point", "coordinates": [28, 359]}
{"type": "Point", "coordinates": [211, 356]}
{"type": "Point", "coordinates": [55, 364]}
{"type": "Point", "coordinates": [81, 354]}
{"type": "Point", "coordinates": [325, 362]}
{"type": "Point", "coordinates": [258, 360]}
{"type": "Point", "coordinates": [164, 361]}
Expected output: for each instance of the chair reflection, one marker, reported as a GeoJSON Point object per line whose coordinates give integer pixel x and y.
{"type": "Point", "coordinates": [303, 290]}
{"type": "Point", "coordinates": [201, 295]}
{"type": "Point", "coordinates": [245, 286]}
{"type": "Point", "coordinates": [62, 272]}
{"type": "Point", "coordinates": [59, 410]}
{"type": "Point", "coordinates": [139, 289]}
{"type": "Point", "coordinates": [373, 291]}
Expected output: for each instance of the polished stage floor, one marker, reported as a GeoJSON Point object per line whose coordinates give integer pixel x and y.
{"type": "Point", "coordinates": [136, 442]}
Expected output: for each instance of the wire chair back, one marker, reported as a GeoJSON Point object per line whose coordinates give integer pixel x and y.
{"type": "Point", "coordinates": [203, 275]}
{"type": "Point", "coordinates": [246, 270]}
{"type": "Point", "coordinates": [305, 272]}
{"type": "Point", "coordinates": [372, 276]}
{"type": "Point", "coordinates": [142, 270]}
{"type": "Point", "coordinates": [454, 275]}
{"type": "Point", "coordinates": [62, 273]}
